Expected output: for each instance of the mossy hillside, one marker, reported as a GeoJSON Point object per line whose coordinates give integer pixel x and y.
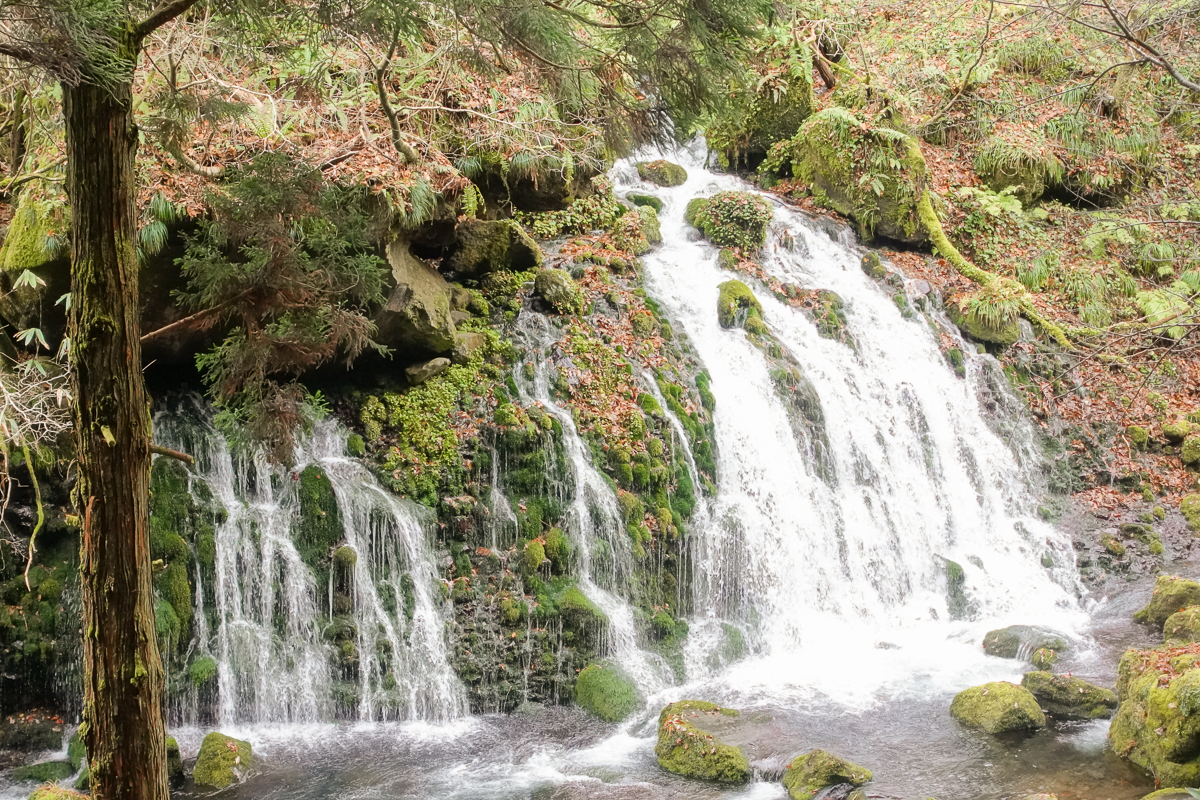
{"type": "Point", "coordinates": [770, 109]}
{"type": "Point", "coordinates": [732, 219]}
{"type": "Point", "coordinates": [662, 173]}
{"type": "Point", "coordinates": [998, 707]}
{"type": "Point", "coordinates": [685, 748]}
{"type": "Point", "coordinates": [1157, 726]}
{"type": "Point", "coordinates": [598, 211]}
{"type": "Point", "coordinates": [606, 692]}
{"type": "Point", "coordinates": [867, 174]}
{"type": "Point", "coordinates": [1171, 594]}
{"type": "Point", "coordinates": [1068, 698]}
{"type": "Point", "coordinates": [811, 772]}
{"type": "Point", "coordinates": [222, 761]}
{"type": "Point", "coordinates": [1026, 167]}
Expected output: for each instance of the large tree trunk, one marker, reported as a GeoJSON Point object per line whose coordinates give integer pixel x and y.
{"type": "Point", "coordinates": [123, 676]}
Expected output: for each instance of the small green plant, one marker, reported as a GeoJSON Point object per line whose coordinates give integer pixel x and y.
{"type": "Point", "coordinates": [734, 219]}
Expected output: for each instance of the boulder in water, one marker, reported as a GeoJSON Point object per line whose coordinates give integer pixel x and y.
{"type": "Point", "coordinates": [731, 219]}
{"type": "Point", "coordinates": [1022, 641]}
{"type": "Point", "coordinates": [1171, 594]}
{"type": "Point", "coordinates": [1157, 726]}
{"type": "Point", "coordinates": [1068, 698]}
{"type": "Point", "coordinates": [607, 692]}
{"type": "Point", "coordinates": [662, 173]}
{"type": "Point", "coordinates": [176, 775]}
{"type": "Point", "coordinates": [812, 772]}
{"type": "Point", "coordinates": [46, 771]}
{"type": "Point", "coordinates": [998, 707]}
{"type": "Point", "coordinates": [686, 747]}
{"type": "Point", "coordinates": [736, 304]}
{"type": "Point", "coordinates": [559, 290]}
{"type": "Point", "coordinates": [1182, 627]}
{"type": "Point", "coordinates": [646, 200]}
{"type": "Point", "coordinates": [222, 761]}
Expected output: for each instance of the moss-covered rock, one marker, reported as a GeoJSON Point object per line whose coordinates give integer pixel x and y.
{"type": "Point", "coordinates": [1189, 506]}
{"type": "Point", "coordinates": [998, 707]}
{"type": "Point", "coordinates": [731, 219]}
{"type": "Point", "coordinates": [1182, 627]}
{"type": "Point", "coordinates": [978, 330]}
{"type": "Point", "coordinates": [56, 793]}
{"type": "Point", "coordinates": [202, 670]}
{"type": "Point", "coordinates": [176, 775]}
{"type": "Point", "coordinates": [770, 111]}
{"type": "Point", "coordinates": [646, 200]}
{"type": "Point", "coordinates": [662, 173]}
{"type": "Point", "coordinates": [1175, 432]}
{"type": "Point", "coordinates": [559, 290]}
{"type": "Point", "coordinates": [416, 315]}
{"type": "Point", "coordinates": [76, 753]}
{"type": "Point", "coordinates": [808, 774]}
{"type": "Point", "coordinates": [222, 761]}
{"type": "Point", "coordinates": [46, 771]}
{"type": "Point", "coordinates": [1023, 167]}
{"type": "Point", "coordinates": [1068, 698]}
{"type": "Point", "coordinates": [25, 248]}
{"type": "Point", "coordinates": [870, 175]}
{"type": "Point", "coordinates": [650, 225]}
{"type": "Point", "coordinates": [1044, 658]}
{"type": "Point", "coordinates": [686, 748]}
{"type": "Point", "coordinates": [1169, 794]}
{"type": "Point", "coordinates": [319, 525]}
{"type": "Point", "coordinates": [29, 737]}
{"type": "Point", "coordinates": [1157, 726]}
{"type": "Point", "coordinates": [1171, 594]}
{"type": "Point", "coordinates": [1021, 641]}
{"type": "Point", "coordinates": [1138, 436]}
{"type": "Point", "coordinates": [873, 267]}
{"type": "Point", "coordinates": [607, 692]}
{"type": "Point", "coordinates": [482, 246]}
{"type": "Point", "coordinates": [736, 304]}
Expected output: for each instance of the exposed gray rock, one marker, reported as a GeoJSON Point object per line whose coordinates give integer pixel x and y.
{"type": "Point", "coordinates": [417, 313]}
{"type": "Point", "coordinates": [419, 373]}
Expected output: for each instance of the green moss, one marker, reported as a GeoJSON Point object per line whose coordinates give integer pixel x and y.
{"type": "Point", "coordinates": [344, 559]}
{"type": "Point", "coordinates": [736, 303]}
{"type": "Point", "coordinates": [25, 245]}
{"type": "Point", "coordinates": [767, 111]}
{"type": "Point", "coordinates": [1189, 506]}
{"type": "Point", "coordinates": [646, 200]}
{"type": "Point", "coordinates": [956, 597]}
{"type": "Point", "coordinates": [513, 612]}
{"type": "Point", "coordinates": [1156, 726]}
{"type": "Point", "coordinates": [558, 550]}
{"type": "Point", "coordinates": [559, 290]}
{"type": "Point", "coordinates": [651, 229]}
{"type": "Point", "coordinates": [808, 774]}
{"type": "Point", "coordinates": [355, 446]}
{"type": "Point", "coordinates": [1171, 594]}
{"type": "Point", "coordinates": [997, 708]}
{"type": "Point", "coordinates": [176, 589]}
{"type": "Point", "coordinates": [47, 771]}
{"type": "Point", "coordinates": [202, 670]}
{"type": "Point", "coordinates": [685, 747]}
{"type": "Point", "coordinates": [166, 625]}
{"type": "Point", "coordinates": [175, 772]}
{"type": "Point", "coordinates": [1138, 436]}
{"type": "Point", "coordinates": [873, 267]}
{"type": "Point", "coordinates": [662, 173]}
{"type": "Point", "coordinates": [319, 526]}
{"type": "Point", "coordinates": [76, 753]}
{"type": "Point", "coordinates": [732, 219]}
{"type": "Point", "coordinates": [534, 555]}
{"type": "Point", "coordinates": [222, 761]}
{"type": "Point", "coordinates": [606, 692]}
{"type": "Point", "coordinates": [1069, 698]}
{"type": "Point", "coordinates": [1190, 453]}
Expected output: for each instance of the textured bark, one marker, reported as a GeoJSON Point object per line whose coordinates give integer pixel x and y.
{"type": "Point", "coordinates": [123, 677]}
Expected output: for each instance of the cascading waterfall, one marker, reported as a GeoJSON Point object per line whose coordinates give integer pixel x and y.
{"type": "Point", "coordinates": [844, 550]}
{"type": "Point", "coordinates": [605, 562]}
{"type": "Point", "coordinates": [270, 640]}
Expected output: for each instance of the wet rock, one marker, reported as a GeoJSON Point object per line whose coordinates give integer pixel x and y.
{"type": "Point", "coordinates": [736, 304]}
{"type": "Point", "coordinates": [1069, 698]}
{"type": "Point", "coordinates": [1171, 594]}
{"type": "Point", "coordinates": [29, 737]}
{"type": "Point", "coordinates": [1169, 794]}
{"type": "Point", "coordinates": [559, 290]}
{"type": "Point", "coordinates": [998, 707]}
{"type": "Point", "coordinates": [662, 173]}
{"type": "Point", "coordinates": [607, 692]}
{"type": "Point", "coordinates": [688, 746]}
{"type": "Point", "coordinates": [812, 773]}
{"type": "Point", "coordinates": [417, 313]}
{"type": "Point", "coordinates": [1022, 641]}
{"type": "Point", "coordinates": [1157, 726]}
{"type": "Point", "coordinates": [646, 200]}
{"type": "Point", "coordinates": [46, 771]}
{"type": "Point", "coordinates": [1182, 627]}
{"type": "Point", "coordinates": [223, 761]}
{"type": "Point", "coordinates": [176, 775]}
{"type": "Point", "coordinates": [419, 373]}
{"type": "Point", "coordinates": [977, 330]}
{"type": "Point", "coordinates": [482, 246]}
{"type": "Point", "coordinates": [466, 345]}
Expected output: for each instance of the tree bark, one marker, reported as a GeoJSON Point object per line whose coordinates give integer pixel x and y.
{"type": "Point", "coordinates": [123, 728]}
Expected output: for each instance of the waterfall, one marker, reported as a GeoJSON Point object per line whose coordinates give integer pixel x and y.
{"type": "Point", "coordinates": [273, 631]}
{"type": "Point", "coordinates": [833, 549]}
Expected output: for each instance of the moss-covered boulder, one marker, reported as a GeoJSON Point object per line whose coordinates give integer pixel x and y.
{"type": "Point", "coordinates": [46, 771]}
{"type": "Point", "coordinates": [1157, 726]}
{"type": "Point", "coordinates": [29, 246]}
{"type": "Point", "coordinates": [977, 329]}
{"type": "Point", "coordinates": [808, 774]}
{"type": "Point", "coordinates": [1189, 506]}
{"type": "Point", "coordinates": [76, 753]}
{"type": "Point", "coordinates": [1024, 168]}
{"type": "Point", "coordinates": [731, 219]}
{"type": "Point", "coordinates": [1175, 432]}
{"type": "Point", "coordinates": [482, 246]}
{"type": "Point", "coordinates": [998, 707]}
{"type": "Point", "coordinates": [607, 692]}
{"type": "Point", "coordinates": [29, 737]}
{"type": "Point", "coordinates": [1068, 698]}
{"type": "Point", "coordinates": [1182, 627]}
{"type": "Point", "coordinates": [1171, 594]}
{"type": "Point", "coordinates": [55, 793]}
{"type": "Point", "coordinates": [685, 747]}
{"type": "Point", "coordinates": [416, 315]}
{"type": "Point", "coordinates": [1021, 641]}
{"type": "Point", "coordinates": [736, 304]}
{"type": "Point", "coordinates": [559, 290]}
{"type": "Point", "coordinates": [651, 229]}
{"type": "Point", "coordinates": [319, 524]}
{"type": "Point", "coordinates": [176, 775]}
{"type": "Point", "coordinates": [662, 173]}
{"type": "Point", "coordinates": [871, 175]}
{"type": "Point", "coordinates": [1169, 794]}
{"type": "Point", "coordinates": [646, 200]}
{"type": "Point", "coordinates": [223, 761]}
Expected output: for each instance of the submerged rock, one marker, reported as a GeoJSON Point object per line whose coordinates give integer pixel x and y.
{"type": "Point", "coordinates": [662, 173]}
{"type": "Point", "coordinates": [1182, 627]}
{"type": "Point", "coordinates": [998, 707]}
{"type": "Point", "coordinates": [685, 747]}
{"type": "Point", "coordinates": [1171, 594]}
{"type": "Point", "coordinates": [222, 761]}
{"type": "Point", "coordinates": [808, 774]}
{"type": "Point", "coordinates": [1069, 698]}
{"type": "Point", "coordinates": [607, 692]}
{"type": "Point", "coordinates": [1023, 641]}
{"type": "Point", "coordinates": [1157, 726]}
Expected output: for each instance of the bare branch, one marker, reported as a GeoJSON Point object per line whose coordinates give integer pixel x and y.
{"type": "Point", "coordinates": [161, 16]}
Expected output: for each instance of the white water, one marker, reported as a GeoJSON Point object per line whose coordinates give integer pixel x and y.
{"type": "Point", "coordinates": [824, 571]}
{"type": "Point", "coordinates": [273, 659]}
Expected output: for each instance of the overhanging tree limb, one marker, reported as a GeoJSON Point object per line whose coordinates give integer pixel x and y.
{"type": "Point", "coordinates": [161, 16]}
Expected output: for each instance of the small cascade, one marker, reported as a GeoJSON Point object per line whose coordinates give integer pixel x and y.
{"type": "Point", "coordinates": [605, 561]}
{"type": "Point", "coordinates": [838, 538]}
{"type": "Point", "coordinates": [358, 632]}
